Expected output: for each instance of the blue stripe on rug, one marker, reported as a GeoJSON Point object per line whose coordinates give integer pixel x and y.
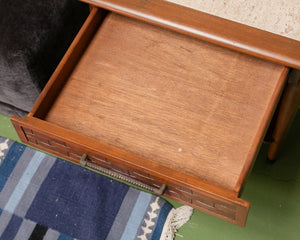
{"type": "Point", "coordinates": [24, 182]}
{"type": "Point", "coordinates": [15, 176]}
{"type": "Point", "coordinates": [25, 229]}
{"type": "Point", "coordinates": [64, 237]}
{"type": "Point", "coordinates": [151, 216]}
{"type": "Point", "coordinates": [12, 228]}
{"type": "Point", "coordinates": [123, 215]}
{"type": "Point", "coordinates": [35, 183]}
{"type": "Point", "coordinates": [136, 216]}
{"type": "Point", "coordinates": [163, 214]}
{"type": "Point", "coordinates": [5, 218]}
{"type": "Point", "coordinates": [10, 161]}
{"type": "Point", "coordinates": [79, 197]}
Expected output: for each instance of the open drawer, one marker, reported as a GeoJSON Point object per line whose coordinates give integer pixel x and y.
{"type": "Point", "coordinates": [158, 108]}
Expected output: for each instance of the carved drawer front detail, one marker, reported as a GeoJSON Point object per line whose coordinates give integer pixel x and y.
{"type": "Point", "coordinates": [225, 209]}
{"type": "Point", "coordinates": [145, 177]}
{"type": "Point", "coordinates": [56, 146]}
{"type": "Point", "coordinates": [74, 153]}
{"type": "Point", "coordinates": [202, 201]}
{"type": "Point", "coordinates": [126, 171]}
{"type": "Point", "coordinates": [102, 161]}
{"type": "Point", "coordinates": [179, 192]}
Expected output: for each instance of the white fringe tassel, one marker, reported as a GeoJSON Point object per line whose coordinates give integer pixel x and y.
{"type": "Point", "coordinates": [176, 218]}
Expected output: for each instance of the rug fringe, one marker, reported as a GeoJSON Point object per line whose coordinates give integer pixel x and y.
{"type": "Point", "coordinates": [176, 218]}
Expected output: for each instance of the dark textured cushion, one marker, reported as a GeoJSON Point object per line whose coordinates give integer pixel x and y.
{"type": "Point", "coordinates": [34, 37]}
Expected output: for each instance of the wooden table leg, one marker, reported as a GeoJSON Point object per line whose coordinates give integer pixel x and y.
{"type": "Point", "coordinates": [286, 112]}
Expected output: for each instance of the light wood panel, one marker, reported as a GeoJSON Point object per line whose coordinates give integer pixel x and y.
{"type": "Point", "coordinates": [184, 103]}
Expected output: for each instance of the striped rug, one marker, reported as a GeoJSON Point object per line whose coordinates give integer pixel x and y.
{"type": "Point", "coordinates": [43, 197]}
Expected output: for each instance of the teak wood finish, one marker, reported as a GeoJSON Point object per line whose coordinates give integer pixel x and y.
{"type": "Point", "coordinates": [210, 28]}
{"type": "Point", "coordinates": [158, 106]}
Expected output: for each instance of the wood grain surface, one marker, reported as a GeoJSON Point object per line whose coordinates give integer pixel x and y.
{"type": "Point", "coordinates": [186, 104]}
{"type": "Point", "coordinates": [210, 28]}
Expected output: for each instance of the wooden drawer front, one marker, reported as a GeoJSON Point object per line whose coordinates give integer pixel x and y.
{"type": "Point", "coordinates": [55, 146]}
{"type": "Point", "coordinates": [212, 205]}
{"type": "Point", "coordinates": [71, 152]}
{"type": "Point", "coordinates": [231, 210]}
{"type": "Point", "coordinates": [144, 177]}
{"type": "Point", "coordinates": [183, 194]}
{"type": "Point", "coordinates": [202, 201]}
{"type": "Point", "coordinates": [178, 192]}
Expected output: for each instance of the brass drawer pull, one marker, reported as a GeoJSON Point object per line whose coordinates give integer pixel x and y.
{"type": "Point", "coordinates": [84, 163]}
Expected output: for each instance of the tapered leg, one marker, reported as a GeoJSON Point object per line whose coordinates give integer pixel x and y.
{"type": "Point", "coordinates": [286, 112]}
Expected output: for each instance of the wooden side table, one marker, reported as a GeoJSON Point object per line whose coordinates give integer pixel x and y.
{"type": "Point", "coordinates": [167, 98]}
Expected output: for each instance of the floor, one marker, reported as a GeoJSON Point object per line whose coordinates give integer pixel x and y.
{"type": "Point", "coordinates": [272, 189]}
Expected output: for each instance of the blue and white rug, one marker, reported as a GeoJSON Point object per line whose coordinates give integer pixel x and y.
{"type": "Point", "coordinates": [43, 197]}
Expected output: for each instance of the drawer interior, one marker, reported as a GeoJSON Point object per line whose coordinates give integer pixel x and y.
{"type": "Point", "coordinates": [170, 98]}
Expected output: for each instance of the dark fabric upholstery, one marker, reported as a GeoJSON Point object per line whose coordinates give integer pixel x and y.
{"type": "Point", "coordinates": [34, 35]}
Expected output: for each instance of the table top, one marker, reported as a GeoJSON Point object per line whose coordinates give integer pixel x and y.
{"type": "Point", "coordinates": [277, 16]}
{"type": "Point", "coordinates": [175, 100]}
